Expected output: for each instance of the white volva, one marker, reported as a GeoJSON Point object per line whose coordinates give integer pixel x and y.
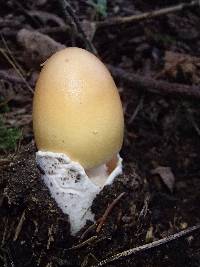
{"type": "Point", "coordinates": [70, 186]}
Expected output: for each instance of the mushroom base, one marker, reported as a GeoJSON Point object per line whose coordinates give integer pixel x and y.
{"type": "Point", "coordinates": [70, 186]}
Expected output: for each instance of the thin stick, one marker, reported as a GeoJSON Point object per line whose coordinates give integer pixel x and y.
{"type": "Point", "coordinates": [11, 78]}
{"type": "Point", "coordinates": [84, 243]}
{"type": "Point", "coordinates": [147, 15]}
{"type": "Point", "coordinates": [90, 228]}
{"type": "Point", "coordinates": [69, 13]}
{"type": "Point", "coordinates": [5, 232]}
{"type": "Point", "coordinates": [107, 212]}
{"type": "Point", "coordinates": [137, 109]}
{"type": "Point", "coordinates": [155, 86]}
{"type": "Point", "coordinates": [134, 251]}
{"type": "Point", "coordinates": [11, 56]}
{"type": "Point", "coordinates": [16, 69]}
{"type": "Point", "coordinates": [6, 101]}
{"type": "Point", "coordinates": [26, 13]}
{"type": "Point", "coordinates": [19, 226]}
{"type": "Point", "coordinates": [4, 161]}
{"type": "Point", "coordinates": [192, 120]}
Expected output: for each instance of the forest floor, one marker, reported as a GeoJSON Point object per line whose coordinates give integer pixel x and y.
{"type": "Point", "coordinates": [156, 65]}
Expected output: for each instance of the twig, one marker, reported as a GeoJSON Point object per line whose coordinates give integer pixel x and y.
{"type": "Point", "coordinates": [25, 12]}
{"type": "Point", "coordinates": [143, 213]}
{"type": "Point", "coordinates": [6, 101]}
{"type": "Point", "coordinates": [148, 246]}
{"type": "Point", "coordinates": [155, 86]}
{"type": "Point", "coordinates": [146, 15]}
{"type": "Point", "coordinates": [19, 226]}
{"type": "Point", "coordinates": [87, 260]}
{"type": "Point", "coordinates": [194, 124]}
{"type": "Point", "coordinates": [11, 78]}
{"type": "Point", "coordinates": [191, 119]}
{"type": "Point", "coordinates": [4, 161]}
{"type": "Point", "coordinates": [69, 13]}
{"type": "Point", "coordinates": [137, 109]}
{"type": "Point", "coordinates": [107, 212]}
{"type": "Point", "coordinates": [84, 243]}
{"type": "Point", "coordinates": [11, 56]}
{"type": "Point", "coordinates": [89, 229]}
{"type": "Point", "coordinates": [16, 69]}
{"type": "Point", "coordinates": [4, 232]}
{"type": "Point", "coordinates": [50, 236]}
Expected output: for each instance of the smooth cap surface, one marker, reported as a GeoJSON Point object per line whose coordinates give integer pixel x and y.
{"type": "Point", "coordinates": [77, 109]}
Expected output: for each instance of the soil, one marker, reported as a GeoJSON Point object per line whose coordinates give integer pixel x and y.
{"type": "Point", "coordinates": [161, 178]}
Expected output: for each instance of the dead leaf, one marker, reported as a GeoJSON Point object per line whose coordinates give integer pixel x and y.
{"type": "Point", "coordinates": [166, 175]}
{"type": "Point", "coordinates": [149, 235]}
{"type": "Point", "coordinates": [38, 46]}
{"type": "Point", "coordinates": [184, 65]}
{"type": "Point", "coordinates": [89, 28]}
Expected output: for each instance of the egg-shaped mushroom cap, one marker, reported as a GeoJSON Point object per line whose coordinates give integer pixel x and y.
{"type": "Point", "coordinates": [77, 109]}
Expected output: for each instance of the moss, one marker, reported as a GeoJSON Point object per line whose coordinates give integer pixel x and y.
{"type": "Point", "coordinates": [8, 137]}
{"type": "Point", "coordinates": [100, 6]}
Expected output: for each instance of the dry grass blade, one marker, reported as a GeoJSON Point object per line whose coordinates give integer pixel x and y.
{"type": "Point", "coordinates": [12, 57]}
{"type": "Point", "coordinates": [148, 246]}
{"type": "Point", "coordinates": [12, 63]}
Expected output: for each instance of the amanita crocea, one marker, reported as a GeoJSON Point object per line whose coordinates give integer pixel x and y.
{"type": "Point", "coordinates": [78, 127]}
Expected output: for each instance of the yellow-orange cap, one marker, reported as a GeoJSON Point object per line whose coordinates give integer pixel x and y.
{"type": "Point", "coordinates": [77, 108]}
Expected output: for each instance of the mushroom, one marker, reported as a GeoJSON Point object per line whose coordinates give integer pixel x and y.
{"type": "Point", "coordinates": [78, 127]}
